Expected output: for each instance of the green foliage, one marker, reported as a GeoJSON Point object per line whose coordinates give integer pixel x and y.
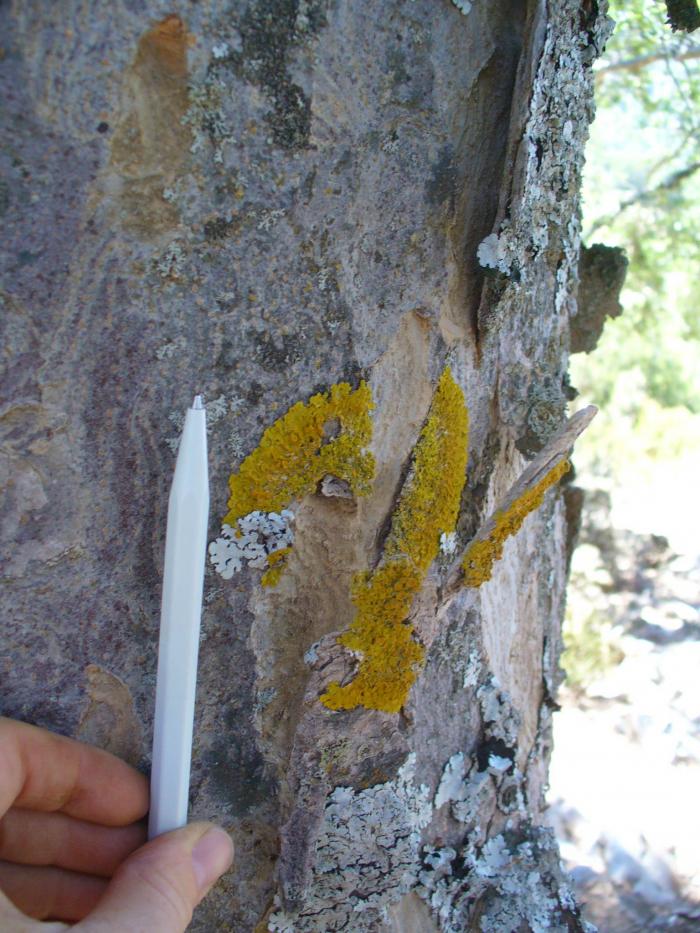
{"type": "Point", "coordinates": [591, 648]}
{"type": "Point", "coordinates": [648, 62]}
{"type": "Point", "coordinates": [642, 192]}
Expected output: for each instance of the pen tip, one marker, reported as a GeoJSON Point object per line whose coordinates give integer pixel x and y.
{"type": "Point", "coordinates": [198, 403]}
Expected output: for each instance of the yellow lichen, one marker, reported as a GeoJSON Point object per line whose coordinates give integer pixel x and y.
{"type": "Point", "coordinates": [483, 553]}
{"type": "Point", "coordinates": [430, 504]}
{"type": "Point", "coordinates": [390, 655]}
{"type": "Point", "coordinates": [428, 507]}
{"type": "Point", "coordinates": [326, 435]}
{"type": "Point", "coordinates": [277, 561]}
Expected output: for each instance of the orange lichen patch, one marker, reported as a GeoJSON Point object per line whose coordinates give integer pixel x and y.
{"type": "Point", "coordinates": [165, 46]}
{"type": "Point", "coordinates": [329, 434]}
{"type": "Point", "coordinates": [428, 507]}
{"type": "Point", "coordinates": [481, 555]}
{"type": "Point", "coordinates": [277, 561]}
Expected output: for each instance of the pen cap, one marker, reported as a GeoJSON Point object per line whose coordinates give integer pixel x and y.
{"type": "Point", "coordinates": [191, 468]}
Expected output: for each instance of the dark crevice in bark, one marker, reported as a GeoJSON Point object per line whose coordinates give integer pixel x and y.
{"type": "Point", "coordinates": [498, 101]}
{"type": "Point", "coordinates": [509, 184]}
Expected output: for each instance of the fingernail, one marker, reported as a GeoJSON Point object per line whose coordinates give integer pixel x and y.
{"type": "Point", "coordinates": [211, 857]}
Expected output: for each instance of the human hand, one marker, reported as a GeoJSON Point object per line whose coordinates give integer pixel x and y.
{"type": "Point", "coordinates": [72, 849]}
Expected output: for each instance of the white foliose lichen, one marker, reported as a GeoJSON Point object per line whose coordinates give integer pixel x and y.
{"type": "Point", "coordinates": [255, 537]}
{"type": "Point", "coordinates": [464, 6]}
{"type": "Point", "coordinates": [448, 542]}
{"type": "Point", "coordinates": [472, 669]}
{"type": "Point", "coordinates": [311, 654]}
{"type": "Point", "coordinates": [517, 874]}
{"type": "Point", "coordinates": [268, 218]}
{"type": "Point", "coordinates": [436, 882]}
{"type": "Point", "coordinates": [491, 859]}
{"type": "Point", "coordinates": [170, 264]}
{"type": "Point", "coordinates": [452, 786]}
{"type": "Point", "coordinates": [499, 765]}
{"type": "Point", "coordinates": [466, 789]}
{"type": "Point", "coordinates": [220, 407]}
{"type": "Point", "coordinates": [205, 116]}
{"type": "Point", "coordinates": [439, 858]}
{"type": "Point", "coordinates": [515, 877]}
{"type": "Point", "coordinates": [171, 348]}
{"type": "Point", "coordinates": [367, 856]}
{"type": "Point", "coordinates": [476, 799]}
{"type": "Point", "coordinates": [498, 712]}
{"type": "Point", "coordinates": [493, 253]}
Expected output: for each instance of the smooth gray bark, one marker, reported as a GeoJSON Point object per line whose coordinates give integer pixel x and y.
{"type": "Point", "coordinates": [257, 202]}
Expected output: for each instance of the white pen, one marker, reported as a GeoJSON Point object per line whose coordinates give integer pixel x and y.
{"type": "Point", "coordinates": [180, 616]}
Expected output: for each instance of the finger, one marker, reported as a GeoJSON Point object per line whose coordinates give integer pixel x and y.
{"type": "Point", "coordinates": [13, 921]}
{"type": "Point", "coordinates": [32, 838]}
{"type": "Point", "coordinates": [53, 893]}
{"type": "Point", "coordinates": [43, 771]}
{"type": "Point", "coordinates": [159, 886]}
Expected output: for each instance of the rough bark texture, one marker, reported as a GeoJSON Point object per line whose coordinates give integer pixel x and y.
{"type": "Point", "coordinates": [257, 200]}
{"type": "Point", "coordinates": [601, 272]}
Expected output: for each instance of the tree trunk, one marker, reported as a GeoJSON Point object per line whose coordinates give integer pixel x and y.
{"type": "Point", "coordinates": [367, 210]}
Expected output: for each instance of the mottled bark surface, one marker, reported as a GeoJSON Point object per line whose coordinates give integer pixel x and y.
{"type": "Point", "coordinates": [256, 201]}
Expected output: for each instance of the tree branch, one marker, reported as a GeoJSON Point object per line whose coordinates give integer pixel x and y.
{"type": "Point", "coordinates": [641, 61]}
{"type": "Point", "coordinates": [558, 448]}
{"type": "Point", "coordinates": [673, 181]}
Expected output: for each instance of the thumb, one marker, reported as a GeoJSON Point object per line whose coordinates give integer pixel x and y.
{"type": "Point", "coordinates": [158, 887]}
